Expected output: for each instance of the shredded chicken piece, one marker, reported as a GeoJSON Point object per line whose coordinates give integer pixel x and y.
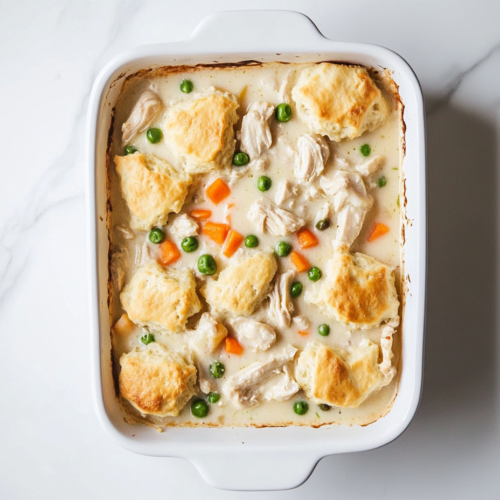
{"type": "Point", "coordinates": [184, 226]}
{"type": "Point", "coordinates": [256, 135]}
{"type": "Point", "coordinates": [242, 388]}
{"type": "Point", "coordinates": [285, 191]}
{"type": "Point", "coordinates": [312, 156]}
{"type": "Point", "coordinates": [253, 334]}
{"type": "Point", "coordinates": [128, 234]}
{"type": "Point", "coordinates": [208, 335]}
{"type": "Point", "coordinates": [371, 166]}
{"type": "Point", "coordinates": [268, 217]}
{"type": "Point", "coordinates": [280, 304]}
{"type": "Point", "coordinates": [323, 212]}
{"type": "Point", "coordinates": [386, 345]}
{"type": "Point", "coordinates": [284, 388]}
{"type": "Point", "coordinates": [142, 254]}
{"type": "Point", "coordinates": [117, 266]}
{"type": "Point", "coordinates": [301, 322]}
{"type": "Point", "coordinates": [341, 163]}
{"type": "Point", "coordinates": [313, 194]}
{"type": "Point", "coordinates": [351, 202]}
{"type": "Point", "coordinates": [285, 92]}
{"type": "Point", "coordinates": [143, 113]}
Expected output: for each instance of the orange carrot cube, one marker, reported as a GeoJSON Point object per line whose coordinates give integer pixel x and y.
{"type": "Point", "coordinates": [307, 239]}
{"type": "Point", "coordinates": [378, 230]}
{"type": "Point", "coordinates": [233, 241]}
{"type": "Point", "coordinates": [218, 191]}
{"type": "Point", "coordinates": [299, 261]}
{"type": "Point", "coordinates": [216, 231]}
{"type": "Point", "coordinates": [201, 214]}
{"type": "Point", "coordinates": [169, 253]}
{"type": "Point", "coordinates": [233, 346]}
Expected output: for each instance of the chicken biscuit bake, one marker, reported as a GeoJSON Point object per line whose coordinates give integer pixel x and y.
{"type": "Point", "coordinates": [255, 235]}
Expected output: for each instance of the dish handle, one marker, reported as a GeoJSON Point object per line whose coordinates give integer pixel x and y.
{"type": "Point", "coordinates": [267, 30]}
{"type": "Point", "coordinates": [255, 470]}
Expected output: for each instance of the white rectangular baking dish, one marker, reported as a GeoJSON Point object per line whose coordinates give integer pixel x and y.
{"type": "Point", "coordinates": [250, 458]}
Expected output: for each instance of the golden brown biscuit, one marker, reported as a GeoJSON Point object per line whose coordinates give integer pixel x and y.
{"type": "Point", "coordinates": [339, 101]}
{"type": "Point", "coordinates": [161, 299]}
{"type": "Point", "coordinates": [243, 284]}
{"type": "Point", "coordinates": [357, 290]}
{"type": "Point", "coordinates": [340, 377]}
{"type": "Point", "coordinates": [152, 188]}
{"type": "Point", "coordinates": [156, 381]}
{"type": "Point", "coordinates": [199, 130]}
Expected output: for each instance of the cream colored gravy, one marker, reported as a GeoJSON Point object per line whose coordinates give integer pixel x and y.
{"type": "Point", "coordinates": [249, 84]}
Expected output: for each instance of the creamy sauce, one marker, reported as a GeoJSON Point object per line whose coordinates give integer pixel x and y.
{"type": "Point", "coordinates": [251, 84]}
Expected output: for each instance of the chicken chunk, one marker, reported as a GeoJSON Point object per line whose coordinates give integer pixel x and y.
{"type": "Point", "coordinates": [268, 217]}
{"type": "Point", "coordinates": [312, 156]}
{"type": "Point", "coordinates": [323, 212]}
{"type": "Point", "coordinates": [351, 202]}
{"type": "Point", "coordinates": [284, 387]}
{"type": "Point", "coordinates": [285, 91]}
{"type": "Point", "coordinates": [301, 322]}
{"type": "Point", "coordinates": [256, 136]}
{"type": "Point", "coordinates": [208, 335]}
{"type": "Point", "coordinates": [280, 304]}
{"type": "Point", "coordinates": [184, 226]}
{"type": "Point", "coordinates": [388, 331]}
{"type": "Point", "coordinates": [371, 166]}
{"type": "Point", "coordinates": [242, 388]}
{"type": "Point", "coordinates": [143, 113]}
{"type": "Point", "coordinates": [285, 191]}
{"type": "Point", "coordinates": [253, 334]}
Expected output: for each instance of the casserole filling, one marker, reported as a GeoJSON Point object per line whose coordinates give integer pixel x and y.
{"type": "Point", "coordinates": [255, 259]}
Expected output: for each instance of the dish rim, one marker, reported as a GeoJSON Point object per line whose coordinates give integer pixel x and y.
{"type": "Point", "coordinates": [208, 40]}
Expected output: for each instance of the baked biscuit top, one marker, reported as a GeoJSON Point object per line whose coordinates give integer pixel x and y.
{"type": "Point", "coordinates": [339, 101]}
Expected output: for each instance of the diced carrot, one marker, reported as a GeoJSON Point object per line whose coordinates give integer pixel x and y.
{"type": "Point", "coordinates": [233, 241]}
{"type": "Point", "coordinates": [307, 239]}
{"type": "Point", "coordinates": [216, 231]}
{"type": "Point", "coordinates": [299, 261]}
{"type": "Point", "coordinates": [303, 333]}
{"type": "Point", "coordinates": [124, 326]}
{"type": "Point", "coordinates": [201, 214]}
{"type": "Point", "coordinates": [169, 252]}
{"type": "Point", "coordinates": [378, 230]}
{"type": "Point", "coordinates": [218, 191]}
{"type": "Point", "coordinates": [233, 346]}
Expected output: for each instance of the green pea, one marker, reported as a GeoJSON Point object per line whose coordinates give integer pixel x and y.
{"type": "Point", "coordinates": [283, 112]}
{"type": "Point", "coordinates": [323, 224]}
{"type": "Point", "coordinates": [324, 407]}
{"type": "Point", "coordinates": [217, 369]}
{"type": "Point", "coordinates": [300, 407]}
{"type": "Point", "coordinates": [130, 150]}
{"type": "Point", "coordinates": [264, 183]}
{"type": "Point", "coordinates": [324, 330]}
{"type": "Point", "coordinates": [154, 135]}
{"type": "Point", "coordinates": [187, 86]}
{"type": "Point", "coordinates": [283, 249]}
{"type": "Point", "coordinates": [296, 289]}
{"type": "Point", "coordinates": [207, 265]}
{"type": "Point", "coordinates": [213, 397]}
{"type": "Point", "coordinates": [314, 274]}
{"type": "Point", "coordinates": [251, 241]}
{"type": "Point", "coordinates": [199, 408]}
{"type": "Point", "coordinates": [147, 338]}
{"type": "Point", "coordinates": [365, 149]}
{"type": "Point", "coordinates": [240, 159]}
{"type": "Point", "coordinates": [189, 244]}
{"type": "Point", "coordinates": [156, 235]}
{"type": "Point", "coordinates": [381, 181]}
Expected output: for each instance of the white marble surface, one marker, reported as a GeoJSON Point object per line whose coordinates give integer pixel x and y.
{"type": "Point", "coordinates": [51, 445]}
